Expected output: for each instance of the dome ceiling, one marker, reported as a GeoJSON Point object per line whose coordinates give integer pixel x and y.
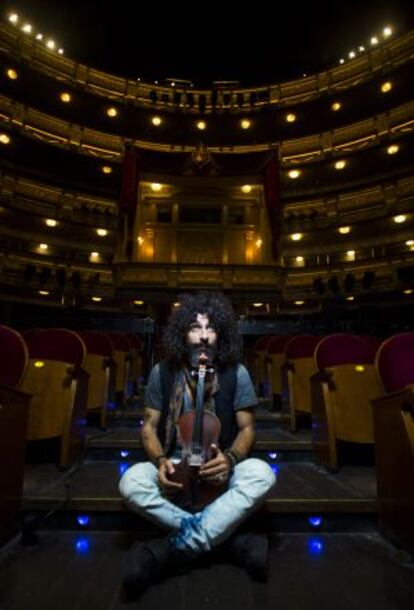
{"type": "Point", "coordinates": [256, 45]}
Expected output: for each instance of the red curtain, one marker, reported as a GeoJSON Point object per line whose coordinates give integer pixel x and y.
{"type": "Point", "coordinates": [272, 199]}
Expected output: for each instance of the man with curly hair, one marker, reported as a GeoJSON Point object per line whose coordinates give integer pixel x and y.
{"type": "Point", "coordinates": [202, 323]}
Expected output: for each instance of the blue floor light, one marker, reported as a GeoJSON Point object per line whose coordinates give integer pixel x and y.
{"type": "Point", "coordinates": [122, 467]}
{"type": "Point", "coordinates": [315, 522]}
{"type": "Point", "coordinates": [83, 520]}
{"type": "Point", "coordinates": [82, 545]}
{"type": "Point", "coordinates": [315, 546]}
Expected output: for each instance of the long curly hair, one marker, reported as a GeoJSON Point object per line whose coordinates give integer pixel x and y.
{"type": "Point", "coordinates": [222, 317]}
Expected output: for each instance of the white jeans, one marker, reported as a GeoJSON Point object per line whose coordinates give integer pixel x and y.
{"type": "Point", "coordinates": [249, 484]}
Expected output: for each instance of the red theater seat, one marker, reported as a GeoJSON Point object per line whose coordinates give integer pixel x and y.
{"type": "Point", "coordinates": [394, 438]}
{"type": "Point", "coordinates": [58, 385]}
{"type": "Point", "coordinates": [342, 391]}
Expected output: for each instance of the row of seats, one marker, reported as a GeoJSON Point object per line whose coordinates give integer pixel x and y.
{"type": "Point", "coordinates": [335, 379]}
{"type": "Point", "coordinates": [68, 374]}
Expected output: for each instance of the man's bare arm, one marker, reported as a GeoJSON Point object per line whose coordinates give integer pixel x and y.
{"type": "Point", "coordinates": [244, 441]}
{"type": "Point", "coordinates": [153, 449]}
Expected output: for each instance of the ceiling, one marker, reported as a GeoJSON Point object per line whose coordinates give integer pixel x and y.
{"type": "Point", "coordinates": [262, 43]}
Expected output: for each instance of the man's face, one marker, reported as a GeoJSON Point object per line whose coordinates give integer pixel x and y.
{"type": "Point", "coordinates": [201, 333]}
{"type": "Point", "coordinates": [201, 338]}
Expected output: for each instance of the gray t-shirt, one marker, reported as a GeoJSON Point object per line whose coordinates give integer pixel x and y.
{"type": "Point", "coordinates": [244, 397]}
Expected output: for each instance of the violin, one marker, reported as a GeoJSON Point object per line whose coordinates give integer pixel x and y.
{"type": "Point", "coordinates": [197, 431]}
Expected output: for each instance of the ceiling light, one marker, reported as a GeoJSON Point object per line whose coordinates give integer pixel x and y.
{"type": "Point", "coordinates": [408, 291]}
{"type": "Point", "coordinates": [291, 118]}
{"type": "Point", "coordinates": [4, 138]}
{"type": "Point", "coordinates": [361, 49]}
{"type": "Point", "coordinates": [387, 31]}
{"type": "Point", "coordinates": [65, 97]}
{"type": "Point", "coordinates": [374, 40]}
{"type": "Point", "coordinates": [340, 164]}
{"type": "Point", "coordinates": [140, 303]}
{"type": "Point", "coordinates": [245, 124]}
{"type": "Point", "coordinates": [43, 247]}
{"type": "Point", "coordinates": [97, 299]}
{"type": "Point", "coordinates": [94, 254]}
{"type": "Point", "coordinates": [246, 188]}
{"type": "Point", "coordinates": [299, 302]}
{"type": "Point", "coordinates": [350, 298]}
{"type": "Point", "coordinates": [409, 242]}
{"type": "Point", "coordinates": [351, 54]}
{"type": "Point", "coordinates": [107, 169]}
{"type": "Point", "coordinates": [155, 186]}
{"type": "Point", "coordinates": [12, 74]}
{"type": "Point", "coordinates": [299, 259]}
{"type": "Point", "coordinates": [51, 222]}
{"type": "Point", "coordinates": [342, 61]}
{"type": "Point", "coordinates": [39, 36]}
{"type": "Point", "coordinates": [112, 112]}
{"type": "Point", "coordinates": [296, 236]}
{"type": "Point", "coordinates": [257, 304]}
{"type": "Point", "coordinates": [350, 253]}
{"type": "Point", "coordinates": [201, 125]}
{"type": "Point", "coordinates": [13, 18]}
{"type": "Point", "coordinates": [156, 120]}
{"type": "Point", "coordinates": [50, 44]}
{"type": "Point", "coordinates": [294, 173]}
{"type": "Point", "coordinates": [387, 86]}
{"type": "Point", "coordinates": [394, 148]}
{"type": "Point", "coordinates": [400, 218]}
{"type": "Point", "coordinates": [60, 51]}
{"type": "Point", "coordinates": [27, 28]}
{"type": "Point", "coordinates": [102, 232]}
{"type": "Point", "coordinates": [43, 293]}
{"type": "Point", "coordinates": [336, 106]}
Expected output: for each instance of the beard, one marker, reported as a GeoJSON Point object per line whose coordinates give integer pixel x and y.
{"type": "Point", "coordinates": [193, 353]}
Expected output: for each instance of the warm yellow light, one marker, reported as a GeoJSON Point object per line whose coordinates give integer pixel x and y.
{"type": "Point", "coordinates": [155, 186]}
{"type": "Point", "coordinates": [336, 106]}
{"type": "Point", "coordinates": [51, 222]}
{"type": "Point", "coordinates": [39, 364]}
{"type": "Point", "coordinates": [13, 18]}
{"type": "Point", "coordinates": [400, 218]}
{"type": "Point", "coordinates": [97, 299]}
{"type": "Point", "coordinates": [43, 247]}
{"type": "Point", "coordinates": [374, 40]}
{"type": "Point", "coordinates": [112, 112]}
{"type": "Point", "coordinates": [387, 86]}
{"type": "Point", "coordinates": [344, 230]}
{"type": "Point", "coordinates": [50, 44]}
{"type": "Point", "coordinates": [408, 291]}
{"type": "Point", "coordinates": [156, 120]}
{"type": "Point", "coordinates": [351, 253]}
{"type": "Point", "coordinates": [27, 28]}
{"type": "Point", "coordinates": [294, 173]}
{"type": "Point", "coordinates": [94, 254]}
{"type": "Point", "coordinates": [361, 49]}
{"type": "Point", "coordinates": [259, 243]}
{"type": "Point", "coordinates": [140, 240]}
{"type": "Point", "coordinates": [60, 51]}
{"type": "Point", "coordinates": [387, 31]}
{"type": "Point", "coordinates": [350, 298]}
{"type": "Point", "coordinates": [296, 236]}
{"type": "Point", "coordinates": [176, 304]}
{"type": "Point", "coordinates": [102, 232]}
{"type": "Point", "coordinates": [107, 169]}
{"type": "Point", "coordinates": [44, 292]}
{"type": "Point", "coordinates": [245, 124]}
{"type": "Point", "coordinates": [351, 54]}
{"type": "Point", "coordinates": [342, 61]}
{"type": "Point", "coordinates": [340, 164]}
{"type": "Point", "coordinates": [394, 148]}
{"type": "Point", "coordinates": [4, 138]}
{"type": "Point", "coordinates": [291, 118]}
{"type": "Point", "coordinates": [65, 97]}
{"type": "Point", "coordinates": [138, 302]}
{"type": "Point", "coordinates": [39, 36]}
{"type": "Point", "coordinates": [299, 302]}
{"type": "Point", "coordinates": [299, 259]}
{"type": "Point", "coordinates": [246, 188]}
{"type": "Point", "coordinates": [409, 242]}
{"type": "Point", "coordinates": [201, 125]}
{"type": "Point", "coordinates": [12, 74]}
{"type": "Point", "coordinates": [257, 304]}
{"type": "Point", "coordinates": [359, 368]}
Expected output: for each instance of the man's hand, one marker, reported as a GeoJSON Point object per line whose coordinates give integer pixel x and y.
{"type": "Point", "coordinates": [216, 470]}
{"type": "Point", "coordinates": [166, 469]}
